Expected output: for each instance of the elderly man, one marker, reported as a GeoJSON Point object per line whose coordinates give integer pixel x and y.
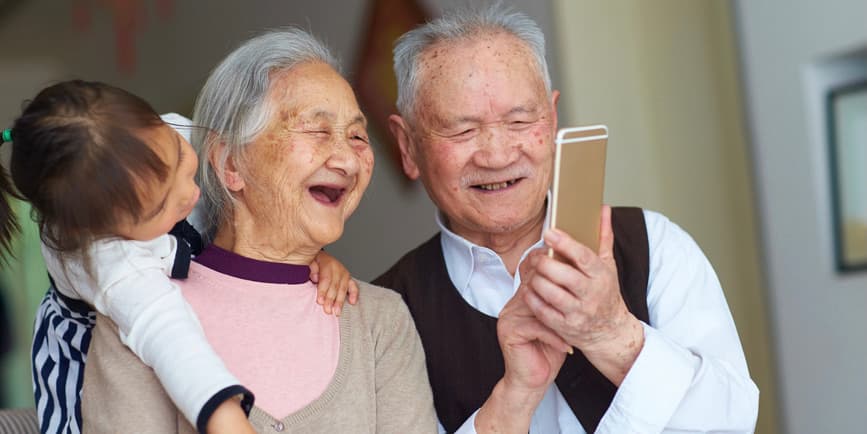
{"type": "Point", "coordinates": [657, 349]}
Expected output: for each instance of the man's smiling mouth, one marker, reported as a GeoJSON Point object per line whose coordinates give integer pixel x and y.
{"type": "Point", "coordinates": [498, 185]}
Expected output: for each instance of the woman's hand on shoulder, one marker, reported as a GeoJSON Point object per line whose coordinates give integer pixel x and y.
{"type": "Point", "coordinates": [334, 285]}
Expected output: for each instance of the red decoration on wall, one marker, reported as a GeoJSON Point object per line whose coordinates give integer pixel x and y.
{"type": "Point", "coordinates": [374, 79]}
{"type": "Point", "coordinates": [128, 18]}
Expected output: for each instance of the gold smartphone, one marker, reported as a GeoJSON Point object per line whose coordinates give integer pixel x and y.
{"type": "Point", "coordinates": [579, 178]}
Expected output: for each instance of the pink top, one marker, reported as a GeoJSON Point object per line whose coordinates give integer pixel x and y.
{"type": "Point", "coordinates": [272, 336]}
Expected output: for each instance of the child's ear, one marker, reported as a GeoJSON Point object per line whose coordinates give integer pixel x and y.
{"type": "Point", "coordinates": [229, 175]}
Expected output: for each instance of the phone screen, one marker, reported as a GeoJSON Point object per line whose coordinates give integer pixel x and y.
{"type": "Point", "coordinates": [579, 178]}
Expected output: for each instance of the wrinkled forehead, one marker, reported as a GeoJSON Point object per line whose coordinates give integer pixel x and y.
{"type": "Point", "coordinates": [464, 49]}
{"type": "Point", "coordinates": [497, 70]}
{"type": "Point", "coordinates": [311, 88]}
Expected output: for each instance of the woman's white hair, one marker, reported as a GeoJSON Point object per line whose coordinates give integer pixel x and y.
{"type": "Point", "coordinates": [233, 108]}
{"type": "Point", "coordinates": [461, 25]}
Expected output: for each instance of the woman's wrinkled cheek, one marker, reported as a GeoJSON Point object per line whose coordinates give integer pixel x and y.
{"type": "Point", "coordinates": [367, 162]}
{"type": "Point", "coordinates": [273, 188]}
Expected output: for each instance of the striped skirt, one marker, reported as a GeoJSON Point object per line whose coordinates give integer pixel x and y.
{"type": "Point", "coordinates": [61, 338]}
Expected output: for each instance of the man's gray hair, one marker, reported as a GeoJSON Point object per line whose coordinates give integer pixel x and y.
{"type": "Point", "coordinates": [460, 25]}
{"type": "Point", "coordinates": [233, 108]}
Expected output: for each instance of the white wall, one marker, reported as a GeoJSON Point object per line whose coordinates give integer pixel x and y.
{"type": "Point", "coordinates": [663, 75]}
{"type": "Point", "coordinates": [789, 52]}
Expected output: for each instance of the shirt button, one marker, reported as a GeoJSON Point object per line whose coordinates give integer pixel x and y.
{"type": "Point", "coordinates": [279, 427]}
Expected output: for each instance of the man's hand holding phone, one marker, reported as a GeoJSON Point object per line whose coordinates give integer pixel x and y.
{"type": "Point", "coordinates": [573, 288]}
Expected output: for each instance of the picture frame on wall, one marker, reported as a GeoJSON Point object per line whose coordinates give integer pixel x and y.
{"type": "Point", "coordinates": [847, 140]}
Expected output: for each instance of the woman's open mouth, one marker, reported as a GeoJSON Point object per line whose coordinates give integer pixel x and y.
{"type": "Point", "coordinates": [326, 194]}
{"type": "Point", "coordinates": [497, 186]}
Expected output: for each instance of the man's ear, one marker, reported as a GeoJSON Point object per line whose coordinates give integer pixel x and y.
{"type": "Point", "coordinates": [230, 176]}
{"type": "Point", "coordinates": [400, 131]}
{"type": "Point", "coordinates": [555, 98]}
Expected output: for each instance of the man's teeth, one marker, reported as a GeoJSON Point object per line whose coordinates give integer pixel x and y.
{"type": "Point", "coordinates": [497, 186]}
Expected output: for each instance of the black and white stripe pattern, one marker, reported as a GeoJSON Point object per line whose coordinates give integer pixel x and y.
{"type": "Point", "coordinates": [61, 338]}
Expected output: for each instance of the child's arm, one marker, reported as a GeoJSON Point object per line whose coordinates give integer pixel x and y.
{"type": "Point", "coordinates": [229, 418]}
{"type": "Point", "coordinates": [333, 283]}
{"type": "Point", "coordinates": [132, 288]}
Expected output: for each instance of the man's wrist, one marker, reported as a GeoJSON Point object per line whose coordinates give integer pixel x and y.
{"type": "Point", "coordinates": [615, 357]}
{"type": "Point", "coordinates": [509, 409]}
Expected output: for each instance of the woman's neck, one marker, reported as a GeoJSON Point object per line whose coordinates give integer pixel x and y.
{"type": "Point", "coordinates": [244, 238]}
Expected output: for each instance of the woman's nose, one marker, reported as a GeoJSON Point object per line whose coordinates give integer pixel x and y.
{"type": "Point", "coordinates": [343, 157]}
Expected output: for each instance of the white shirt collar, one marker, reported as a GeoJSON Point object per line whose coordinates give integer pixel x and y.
{"type": "Point", "coordinates": [477, 272]}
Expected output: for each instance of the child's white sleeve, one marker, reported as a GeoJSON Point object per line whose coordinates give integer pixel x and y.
{"type": "Point", "coordinates": [132, 288]}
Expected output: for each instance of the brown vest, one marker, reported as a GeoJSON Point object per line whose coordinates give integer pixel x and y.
{"type": "Point", "coordinates": [464, 360]}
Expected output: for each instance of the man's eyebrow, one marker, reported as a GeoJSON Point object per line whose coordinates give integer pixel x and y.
{"type": "Point", "coordinates": [467, 119]}
{"type": "Point", "coordinates": [521, 110]}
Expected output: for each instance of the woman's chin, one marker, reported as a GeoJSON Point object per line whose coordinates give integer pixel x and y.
{"type": "Point", "coordinates": [325, 236]}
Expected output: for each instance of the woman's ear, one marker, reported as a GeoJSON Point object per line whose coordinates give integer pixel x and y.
{"type": "Point", "coordinates": [228, 173]}
{"type": "Point", "coordinates": [399, 130]}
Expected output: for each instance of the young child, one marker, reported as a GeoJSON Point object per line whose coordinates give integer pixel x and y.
{"type": "Point", "coordinates": [107, 180]}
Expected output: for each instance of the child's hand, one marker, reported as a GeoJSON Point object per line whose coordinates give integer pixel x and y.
{"type": "Point", "coordinates": [333, 283]}
{"type": "Point", "coordinates": [229, 418]}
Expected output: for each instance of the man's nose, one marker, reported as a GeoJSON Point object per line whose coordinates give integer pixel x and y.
{"type": "Point", "coordinates": [497, 149]}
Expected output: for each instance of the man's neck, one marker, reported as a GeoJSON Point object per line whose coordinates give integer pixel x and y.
{"type": "Point", "coordinates": [510, 244]}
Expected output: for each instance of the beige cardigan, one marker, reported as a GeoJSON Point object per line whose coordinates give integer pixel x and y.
{"type": "Point", "coordinates": [380, 384]}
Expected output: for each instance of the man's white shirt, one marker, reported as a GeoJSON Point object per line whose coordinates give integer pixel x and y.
{"type": "Point", "coordinates": [691, 374]}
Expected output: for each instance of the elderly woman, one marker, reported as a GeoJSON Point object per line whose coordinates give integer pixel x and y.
{"type": "Point", "coordinates": [285, 160]}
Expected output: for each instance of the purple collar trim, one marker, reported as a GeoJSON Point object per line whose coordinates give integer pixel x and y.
{"type": "Point", "coordinates": [235, 265]}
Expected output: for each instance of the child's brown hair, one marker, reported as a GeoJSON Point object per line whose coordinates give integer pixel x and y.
{"type": "Point", "coordinates": [77, 158]}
